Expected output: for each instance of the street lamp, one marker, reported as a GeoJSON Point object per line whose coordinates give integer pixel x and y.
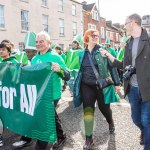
{"type": "Point", "coordinates": [99, 23]}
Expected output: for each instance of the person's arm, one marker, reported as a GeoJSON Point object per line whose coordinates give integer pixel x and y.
{"type": "Point", "coordinates": [106, 54]}
{"type": "Point", "coordinates": [114, 61]}
{"type": "Point", "coordinates": [64, 74]}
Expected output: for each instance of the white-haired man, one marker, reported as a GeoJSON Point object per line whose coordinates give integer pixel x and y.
{"type": "Point", "coordinates": [45, 54]}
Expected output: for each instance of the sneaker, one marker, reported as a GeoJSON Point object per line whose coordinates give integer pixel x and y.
{"type": "Point", "coordinates": [21, 144]}
{"type": "Point", "coordinates": [59, 143]}
{"type": "Point", "coordinates": [89, 144]}
{"type": "Point", "coordinates": [1, 141]}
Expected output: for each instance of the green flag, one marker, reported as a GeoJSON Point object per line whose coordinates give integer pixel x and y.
{"type": "Point", "coordinates": [26, 100]}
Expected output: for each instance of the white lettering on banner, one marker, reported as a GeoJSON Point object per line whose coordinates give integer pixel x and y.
{"type": "Point", "coordinates": [12, 94]}
{"type": "Point", "coordinates": [23, 99]}
{"type": "Point", "coordinates": [32, 94]}
{"type": "Point", "coordinates": [26, 105]}
{"type": "Point", "coordinates": [7, 96]}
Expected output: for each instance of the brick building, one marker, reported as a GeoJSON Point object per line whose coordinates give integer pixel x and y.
{"type": "Point", "coordinates": [146, 22]}
{"type": "Point", "coordinates": [91, 19]}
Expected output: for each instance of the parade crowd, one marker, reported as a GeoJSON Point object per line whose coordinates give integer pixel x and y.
{"type": "Point", "coordinates": [94, 73]}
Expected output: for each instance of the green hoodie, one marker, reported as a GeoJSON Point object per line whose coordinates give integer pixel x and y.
{"type": "Point", "coordinates": [72, 60]}
{"type": "Point", "coordinates": [11, 59]}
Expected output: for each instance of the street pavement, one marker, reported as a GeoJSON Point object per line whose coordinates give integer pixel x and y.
{"type": "Point", "coordinates": [126, 135]}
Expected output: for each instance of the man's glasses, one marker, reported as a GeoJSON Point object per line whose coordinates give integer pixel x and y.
{"type": "Point", "coordinates": [127, 23]}
{"type": "Point", "coordinates": [94, 36]}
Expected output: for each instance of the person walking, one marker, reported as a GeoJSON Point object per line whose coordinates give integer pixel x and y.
{"type": "Point", "coordinates": [136, 75]}
{"type": "Point", "coordinates": [86, 87]}
{"type": "Point", "coordinates": [45, 54]}
{"type": "Point", "coordinates": [5, 51]}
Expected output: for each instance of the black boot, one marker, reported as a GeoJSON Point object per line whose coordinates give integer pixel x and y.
{"type": "Point", "coordinates": [89, 144]}
{"type": "Point", "coordinates": [111, 128]}
{"type": "Point", "coordinates": [142, 138]}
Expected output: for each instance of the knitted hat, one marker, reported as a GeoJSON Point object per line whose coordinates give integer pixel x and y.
{"type": "Point", "coordinates": [79, 40]}
{"type": "Point", "coordinates": [30, 41]}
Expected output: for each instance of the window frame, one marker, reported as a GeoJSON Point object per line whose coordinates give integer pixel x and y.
{"type": "Point", "coordinates": [2, 17]}
{"type": "Point", "coordinates": [60, 5]}
{"type": "Point", "coordinates": [61, 27]}
{"type": "Point", "coordinates": [26, 28]}
{"type": "Point", "coordinates": [45, 22]}
{"type": "Point", "coordinates": [92, 25]}
{"type": "Point", "coordinates": [74, 29]}
{"type": "Point", "coordinates": [45, 3]}
{"type": "Point", "coordinates": [74, 10]}
{"type": "Point", "coordinates": [102, 33]}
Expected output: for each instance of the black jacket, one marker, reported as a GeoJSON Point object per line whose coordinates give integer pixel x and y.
{"type": "Point", "coordinates": [142, 64]}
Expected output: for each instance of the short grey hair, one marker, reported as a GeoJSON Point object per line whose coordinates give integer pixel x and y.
{"type": "Point", "coordinates": [137, 18]}
{"type": "Point", "coordinates": [45, 34]}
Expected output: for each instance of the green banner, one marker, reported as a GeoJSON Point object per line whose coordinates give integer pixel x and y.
{"type": "Point", "coordinates": [26, 100]}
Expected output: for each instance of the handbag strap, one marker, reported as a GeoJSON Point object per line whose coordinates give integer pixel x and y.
{"type": "Point", "coordinates": [94, 69]}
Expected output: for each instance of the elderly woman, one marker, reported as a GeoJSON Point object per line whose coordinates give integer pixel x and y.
{"type": "Point", "coordinates": [88, 91]}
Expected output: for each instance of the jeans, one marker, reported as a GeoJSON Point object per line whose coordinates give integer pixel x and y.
{"type": "Point", "coordinates": [140, 113]}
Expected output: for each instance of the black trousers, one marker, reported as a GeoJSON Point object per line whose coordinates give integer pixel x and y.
{"type": "Point", "coordinates": [41, 145]}
{"type": "Point", "coordinates": [91, 94]}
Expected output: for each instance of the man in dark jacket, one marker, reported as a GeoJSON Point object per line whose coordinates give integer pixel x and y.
{"type": "Point", "coordinates": [137, 78]}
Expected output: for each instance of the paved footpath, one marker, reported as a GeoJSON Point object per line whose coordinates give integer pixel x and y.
{"type": "Point", "coordinates": [125, 138]}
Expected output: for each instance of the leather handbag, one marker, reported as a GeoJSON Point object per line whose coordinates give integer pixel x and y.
{"type": "Point", "coordinates": [101, 82]}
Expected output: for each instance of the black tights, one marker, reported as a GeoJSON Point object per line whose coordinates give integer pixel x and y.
{"type": "Point", "coordinates": [90, 93]}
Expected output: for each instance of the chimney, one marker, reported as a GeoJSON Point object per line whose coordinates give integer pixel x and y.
{"type": "Point", "coordinates": [84, 2]}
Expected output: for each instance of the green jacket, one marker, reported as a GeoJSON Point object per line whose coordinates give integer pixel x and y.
{"type": "Point", "coordinates": [105, 70]}
{"type": "Point", "coordinates": [142, 65]}
{"type": "Point", "coordinates": [51, 56]}
{"type": "Point", "coordinates": [11, 59]}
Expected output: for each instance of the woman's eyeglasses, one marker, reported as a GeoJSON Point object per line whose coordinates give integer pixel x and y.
{"type": "Point", "coordinates": [94, 36]}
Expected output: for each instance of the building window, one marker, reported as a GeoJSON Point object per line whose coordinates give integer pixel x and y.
{"type": "Point", "coordinates": [111, 35]}
{"type": "Point", "coordinates": [95, 15]}
{"type": "Point", "coordinates": [62, 46]}
{"type": "Point", "coordinates": [24, 20]}
{"type": "Point", "coordinates": [107, 34]}
{"type": "Point", "coordinates": [44, 3]}
{"type": "Point", "coordinates": [25, 1]}
{"type": "Point", "coordinates": [21, 46]}
{"type": "Point", "coordinates": [73, 10]}
{"type": "Point", "coordinates": [74, 27]}
{"type": "Point", "coordinates": [102, 33]}
{"type": "Point", "coordinates": [45, 22]}
{"type": "Point", "coordinates": [91, 26]}
{"type": "Point", "coordinates": [2, 19]}
{"type": "Point", "coordinates": [61, 27]}
{"type": "Point", "coordinates": [60, 5]}
{"type": "Point", "coordinates": [117, 37]}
